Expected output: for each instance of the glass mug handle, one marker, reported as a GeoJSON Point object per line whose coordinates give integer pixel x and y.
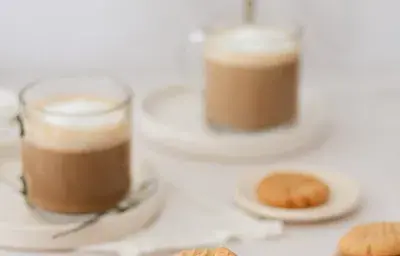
{"type": "Point", "coordinates": [12, 129]}
{"type": "Point", "coordinates": [11, 176]}
{"type": "Point", "coordinates": [10, 167]}
{"type": "Point", "coordinates": [192, 61]}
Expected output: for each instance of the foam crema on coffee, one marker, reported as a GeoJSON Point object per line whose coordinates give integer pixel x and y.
{"type": "Point", "coordinates": [252, 46]}
{"type": "Point", "coordinates": [77, 123]}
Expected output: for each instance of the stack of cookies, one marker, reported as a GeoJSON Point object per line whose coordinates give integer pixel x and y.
{"type": "Point", "coordinates": [207, 252]}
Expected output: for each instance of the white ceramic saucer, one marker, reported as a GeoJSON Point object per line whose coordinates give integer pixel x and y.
{"type": "Point", "coordinates": [345, 196]}
{"type": "Point", "coordinates": [24, 227]}
{"type": "Point", "coordinates": [173, 117]}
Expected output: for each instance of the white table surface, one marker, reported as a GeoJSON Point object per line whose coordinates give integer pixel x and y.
{"type": "Point", "coordinates": [364, 143]}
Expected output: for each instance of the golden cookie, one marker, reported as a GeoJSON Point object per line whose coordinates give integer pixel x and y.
{"type": "Point", "coordinates": [207, 252]}
{"type": "Point", "coordinates": [292, 190]}
{"type": "Point", "coordinates": [373, 239]}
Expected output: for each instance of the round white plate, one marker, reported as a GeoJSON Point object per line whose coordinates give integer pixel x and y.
{"type": "Point", "coordinates": [172, 116]}
{"type": "Point", "coordinates": [28, 228]}
{"type": "Point", "coordinates": [345, 196]}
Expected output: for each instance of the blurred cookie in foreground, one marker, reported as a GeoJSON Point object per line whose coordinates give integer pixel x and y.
{"type": "Point", "coordinates": [372, 239]}
{"type": "Point", "coordinates": [292, 190]}
{"type": "Point", "coordinates": [207, 252]}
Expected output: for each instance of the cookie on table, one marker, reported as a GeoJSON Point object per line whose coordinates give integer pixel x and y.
{"type": "Point", "coordinates": [207, 252]}
{"type": "Point", "coordinates": [372, 239]}
{"type": "Point", "coordinates": [292, 190]}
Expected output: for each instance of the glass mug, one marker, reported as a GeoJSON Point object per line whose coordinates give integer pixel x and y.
{"type": "Point", "coordinates": [250, 73]}
{"type": "Point", "coordinates": [76, 143]}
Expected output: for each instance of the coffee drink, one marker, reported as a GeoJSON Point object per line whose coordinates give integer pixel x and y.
{"type": "Point", "coordinates": [251, 78]}
{"type": "Point", "coordinates": [76, 154]}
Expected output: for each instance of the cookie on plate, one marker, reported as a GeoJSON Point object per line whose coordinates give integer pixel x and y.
{"type": "Point", "coordinates": [372, 239]}
{"type": "Point", "coordinates": [207, 252]}
{"type": "Point", "coordinates": [292, 190]}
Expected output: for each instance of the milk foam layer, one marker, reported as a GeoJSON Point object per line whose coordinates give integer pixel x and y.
{"type": "Point", "coordinates": [82, 106]}
{"type": "Point", "coordinates": [78, 124]}
{"type": "Point", "coordinates": [252, 45]}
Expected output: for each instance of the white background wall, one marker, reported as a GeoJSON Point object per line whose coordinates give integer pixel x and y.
{"type": "Point", "coordinates": [147, 34]}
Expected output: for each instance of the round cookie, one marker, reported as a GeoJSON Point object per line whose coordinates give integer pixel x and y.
{"type": "Point", "coordinates": [373, 239]}
{"type": "Point", "coordinates": [207, 252]}
{"type": "Point", "coordinates": [292, 191]}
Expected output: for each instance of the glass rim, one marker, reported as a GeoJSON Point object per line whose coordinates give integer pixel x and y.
{"type": "Point", "coordinates": [292, 28]}
{"type": "Point", "coordinates": [127, 99]}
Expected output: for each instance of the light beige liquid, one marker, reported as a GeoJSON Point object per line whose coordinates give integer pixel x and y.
{"type": "Point", "coordinates": [72, 168]}
{"type": "Point", "coordinates": [251, 87]}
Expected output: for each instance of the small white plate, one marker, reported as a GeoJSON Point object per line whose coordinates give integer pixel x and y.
{"type": "Point", "coordinates": [345, 196]}
{"type": "Point", "coordinates": [28, 228]}
{"type": "Point", "coordinates": [173, 116]}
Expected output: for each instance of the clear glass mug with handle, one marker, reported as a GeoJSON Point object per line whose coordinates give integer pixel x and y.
{"type": "Point", "coordinates": [75, 141]}
{"type": "Point", "coordinates": [250, 72]}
